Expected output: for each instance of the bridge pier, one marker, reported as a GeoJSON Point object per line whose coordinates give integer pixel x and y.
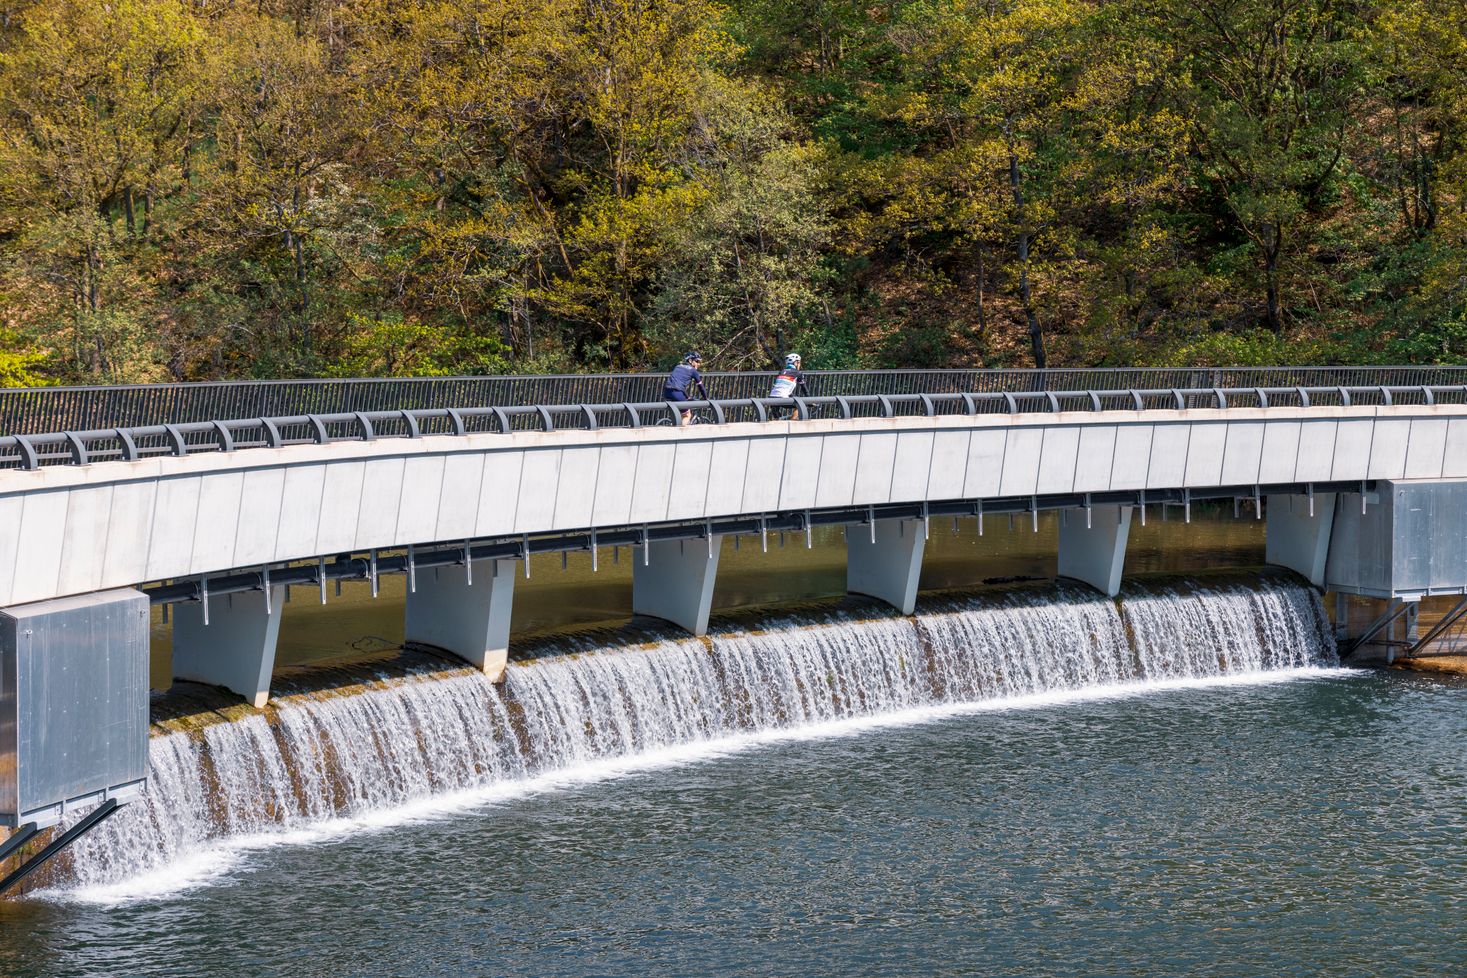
{"type": "Point", "coordinates": [467, 617]}
{"type": "Point", "coordinates": [1298, 539]}
{"type": "Point", "coordinates": [673, 580]}
{"type": "Point", "coordinates": [884, 560]}
{"type": "Point", "coordinates": [236, 649]}
{"type": "Point", "coordinates": [1095, 554]}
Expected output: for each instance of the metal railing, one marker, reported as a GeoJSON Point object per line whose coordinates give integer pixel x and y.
{"type": "Point", "coordinates": [50, 409]}
{"type": "Point", "coordinates": [31, 451]}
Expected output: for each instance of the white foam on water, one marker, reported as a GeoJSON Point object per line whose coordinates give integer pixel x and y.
{"type": "Point", "coordinates": [422, 747]}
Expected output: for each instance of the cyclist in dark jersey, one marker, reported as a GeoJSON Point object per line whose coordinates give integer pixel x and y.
{"type": "Point", "coordinates": [683, 379]}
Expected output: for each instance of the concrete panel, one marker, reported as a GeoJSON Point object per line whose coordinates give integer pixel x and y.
{"type": "Point", "coordinates": [171, 542]}
{"type": "Point", "coordinates": [499, 493]}
{"type": "Point", "coordinates": [726, 474]}
{"type": "Point", "coordinates": [1205, 455]}
{"type": "Point", "coordinates": [12, 509]}
{"type": "Point", "coordinates": [84, 543]}
{"type": "Point", "coordinates": [1132, 456]}
{"type": "Point", "coordinates": [1454, 454]}
{"type": "Point", "coordinates": [341, 504]}
{"type": "Point", "coordinates": [218, 522]}
{"type": "Point", "coordinates": [458, 504]}
{"type": "Point", "coordinates": [539, 483]}
{"type": "Point", "coordinates": [1095, 458]}
{"type": "Point", "coordinates": [1168, 466]}
{"type": "Point", "coordinates": [1352, 449]}
{"type": "Point", "coordinates": [801, 472]}
{"type": "Point", "coordinates": [381, 493]}
{"type": "Point", "coordinates": [1058, 459]}
{"type": "Point", "coordinates": [652, 485]}
{"type": "Point", "coordinates": [985, 463]}
{"type": "Point", "coordinates": [913, 467]}
{"type": "Point", "coordinates": [1021, 454]}
{"type": "Point", "coordinates": [1316, 459]}
{"type": "Point", "coordinates": [874, 467]}
{"type": "Point", "coordinates": [838, 458]}
{"type": "Point", "coordinates": [1390, 439]}
{"type": "Point", "coordinates": [690, 467]}
{"type": "Point", "coordinates": [260, 506]}
{"type": "Point", "coordinates": [764, 475]}
{"type": "Point", "coordinates": [949, 465]}
{"type": "Point", "coordinates": [1426, 449]}
{"type": "Point", "coordinates": [615, 476]}
{"type": "Point", "coordinates": [576, 498]}
{"type": "Point", "coordinates": [128, 533]}
{"type": "Point", "coordinates": [1280, 454]}
{"type": "Point", "coordinates": [1242, 453]}
{"type": "Point", "coordinates": [417, 507]}
{"type": "Point", "coordinates": [301, 518]}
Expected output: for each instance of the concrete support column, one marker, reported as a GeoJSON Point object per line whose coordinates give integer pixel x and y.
{"type": "Point", "coordinates": [1096, 553]}
{"type": "Point", "coordinates": [673, 580]}
{"type": "Point", "coordinates": [469, 618]}
{"type": "Point", "coordinates": [236, 649]}
{"type": "Point", "coordinates": [1297, 540]}
{"type": "Point", "coordinates": [889, 566]}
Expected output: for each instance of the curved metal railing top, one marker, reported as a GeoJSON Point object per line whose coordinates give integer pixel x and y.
{"type": "Point", "coordinates": [31, 451]}
{"type": "Point", "coordinates": [53, 409]}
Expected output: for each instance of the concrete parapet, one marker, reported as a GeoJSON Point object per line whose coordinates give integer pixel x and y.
{"type": "Point", "coordinates": [673, 580]}
{"type": "Point", "coordinates": [465, 611]}
{"type": "Point", "coordinates": [1093, 549]}
{"type": "Point", "coordinates": [884, 560]}
{"type": "Point", "coordinates": [236, 648]}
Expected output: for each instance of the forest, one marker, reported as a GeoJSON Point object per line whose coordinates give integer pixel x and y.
{"type": "Point", "coordinates": [208, 189]}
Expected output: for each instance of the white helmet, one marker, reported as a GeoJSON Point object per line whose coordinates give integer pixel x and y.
{"type": "Point", "coordinates": [792, 360]}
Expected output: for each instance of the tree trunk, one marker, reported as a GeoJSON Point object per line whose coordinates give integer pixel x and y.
{"type": "Point", "coordinates": [129, 212]}
{"type": "Point", "coordinates": [1036, 332]}
{"type": "Point", "coordinates": [982, 309]}
{"type": "Point", "coordinates": [1275, 313]}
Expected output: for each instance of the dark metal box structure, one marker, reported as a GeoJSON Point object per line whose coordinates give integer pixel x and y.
{"type": "Point", "coordinates": [73, 704]}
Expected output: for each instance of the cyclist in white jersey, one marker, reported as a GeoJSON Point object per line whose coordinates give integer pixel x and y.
{"type": "Point", "coordinates": [791, 381]}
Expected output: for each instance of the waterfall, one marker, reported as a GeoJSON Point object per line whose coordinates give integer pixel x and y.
{"type": "Point", "coordinates": [311, 756]}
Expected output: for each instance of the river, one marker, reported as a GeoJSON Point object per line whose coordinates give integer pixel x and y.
{"type": "Point", "coordinates": [1025, 779]}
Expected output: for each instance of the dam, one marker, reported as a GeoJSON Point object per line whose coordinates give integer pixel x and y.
{"type": "Point", "coordinates": [1150, 674]}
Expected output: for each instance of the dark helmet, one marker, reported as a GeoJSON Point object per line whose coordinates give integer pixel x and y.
{"type": "Point", "coordinates": [692, 355]}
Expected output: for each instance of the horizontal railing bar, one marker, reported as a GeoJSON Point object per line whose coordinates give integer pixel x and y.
{"type": "Point", "coordinates": [80, 447]}
{"type": "Point", "coordinates": [42, 410]}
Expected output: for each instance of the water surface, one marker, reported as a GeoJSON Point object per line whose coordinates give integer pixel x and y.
{"type": "Point", "coordinates": [1302, 826]}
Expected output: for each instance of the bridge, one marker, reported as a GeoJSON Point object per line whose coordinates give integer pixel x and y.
{"type": "Point", "coordinates": [215, 517]}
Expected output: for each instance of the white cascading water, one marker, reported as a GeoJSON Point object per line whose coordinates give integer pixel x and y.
{"type": "Point", "coordinates": [313, 756]}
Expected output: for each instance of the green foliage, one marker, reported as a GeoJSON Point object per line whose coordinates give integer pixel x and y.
{"type": "Point", "coordinates": [387, 187]}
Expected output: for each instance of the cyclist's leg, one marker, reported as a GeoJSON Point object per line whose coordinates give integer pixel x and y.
{"type": "Point", "coordinates": [675, 395]}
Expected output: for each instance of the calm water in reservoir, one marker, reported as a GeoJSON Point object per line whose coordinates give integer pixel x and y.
{"type": "Point", "coordinates": [1308, 823]}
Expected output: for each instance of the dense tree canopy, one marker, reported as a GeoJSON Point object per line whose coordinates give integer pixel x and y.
{"type": "Point", "coordinates": [194, 189]}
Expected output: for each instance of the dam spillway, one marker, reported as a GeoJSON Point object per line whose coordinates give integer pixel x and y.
{"type": "Point", "coordinates": [399, 737]}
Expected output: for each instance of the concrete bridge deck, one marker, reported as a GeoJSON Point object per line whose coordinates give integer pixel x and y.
{"type": "Point", "coordinates": [88, 518]}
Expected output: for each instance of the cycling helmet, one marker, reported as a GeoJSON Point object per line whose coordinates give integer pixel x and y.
{"type": "Point", "coordinates": [792, 360]}
{"type": "Point", "coordinates": [692, 355]}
